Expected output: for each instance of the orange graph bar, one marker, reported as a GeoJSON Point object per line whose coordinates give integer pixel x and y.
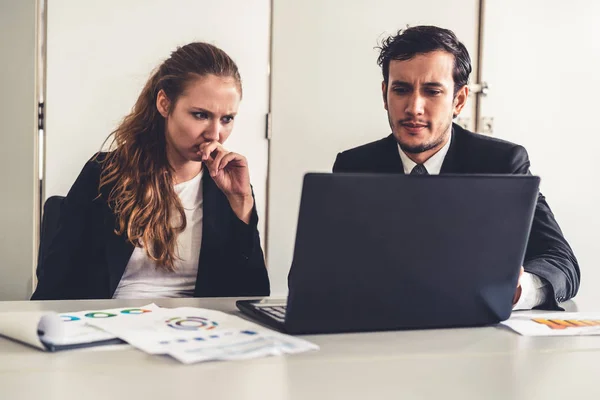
{"type": "Point", "coordinates": [591, 322]}
{"type": "Point", "coordinates": [564, 324]}
{"type": "Point", "coordinates": [548, 323]}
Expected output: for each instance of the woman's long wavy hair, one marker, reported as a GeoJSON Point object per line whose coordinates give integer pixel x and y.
{"type": "Point", "coordinates": [137, 170]}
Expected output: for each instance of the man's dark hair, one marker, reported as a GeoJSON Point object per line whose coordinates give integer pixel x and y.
{"type": "Point", "coordinates": [409, 42]}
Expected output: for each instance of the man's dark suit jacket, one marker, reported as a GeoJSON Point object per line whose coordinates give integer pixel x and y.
{"type": "Point", "coordinates": [86, 259]}
{"type": "Point", "coordinates": [548, 254]}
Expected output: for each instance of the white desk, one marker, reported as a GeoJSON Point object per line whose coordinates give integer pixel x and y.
{"type": "Point", "coordinates": [478, 363]}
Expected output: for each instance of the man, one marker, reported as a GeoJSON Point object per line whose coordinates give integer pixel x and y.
{"type": "Point", "coordinates": [425, 75]}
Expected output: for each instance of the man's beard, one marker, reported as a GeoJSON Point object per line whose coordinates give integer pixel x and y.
{"type": "Point", "coordinates": [423, 147]}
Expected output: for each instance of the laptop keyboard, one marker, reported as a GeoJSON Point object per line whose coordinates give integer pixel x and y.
{"type": "Point", "coordinates": [275, 312]}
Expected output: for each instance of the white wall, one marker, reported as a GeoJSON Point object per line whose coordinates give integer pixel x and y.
{"type": "Point", "coordinates": [18, 151]}
{"type": "Point", "coordinates": [542, 60]}
{"type": "Point", "coordinates": [101, 53]}
{"type": "Point", "coordinates": [326, 94]}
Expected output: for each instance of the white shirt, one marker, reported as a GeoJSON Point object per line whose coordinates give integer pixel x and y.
{"type": "Point", "coordinates": [433, 165]}
{"type": "Point", "coordinates": [142, 279]}
{"type": "Point", "coordinates": [532, 286]}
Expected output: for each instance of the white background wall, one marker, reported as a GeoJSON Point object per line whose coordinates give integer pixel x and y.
{"type": "Point", "coordinates": [542, 60]}
{"type": "Point", "coordinates": [101, 53]}
{"type": "Point", "coordinates": [327, 92]}
{"type": "Point", "coordinates": [18, 151]}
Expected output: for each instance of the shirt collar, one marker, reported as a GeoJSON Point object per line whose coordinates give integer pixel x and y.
{"type": "Point", "coordinates": [433, 165]}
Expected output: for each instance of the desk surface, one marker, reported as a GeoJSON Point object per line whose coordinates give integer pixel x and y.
{"type": "Point", "coordinates": [474, 363]}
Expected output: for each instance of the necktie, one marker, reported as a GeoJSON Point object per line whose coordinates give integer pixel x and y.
{"type": "Point", "coordinates": [419, 169]}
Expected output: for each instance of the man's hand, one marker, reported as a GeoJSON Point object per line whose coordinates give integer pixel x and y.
{"type": "Point", "coordinates": [517, 295]}
{"type": "Point", "coordinates": [230, 172]}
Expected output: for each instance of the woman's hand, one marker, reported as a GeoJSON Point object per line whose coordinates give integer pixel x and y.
{"type": "Point", "coordinates": [230, 173]}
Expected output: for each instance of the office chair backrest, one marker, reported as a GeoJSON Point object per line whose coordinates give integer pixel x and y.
{"type": "Point", "coordinates": [50, 218]}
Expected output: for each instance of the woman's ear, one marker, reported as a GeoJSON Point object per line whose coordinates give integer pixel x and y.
{"type": "Point", "coordinates": [163, 104]}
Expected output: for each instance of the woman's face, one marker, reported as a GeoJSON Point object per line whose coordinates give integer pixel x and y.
{"type": "Point", "coordinates": [204, 112]}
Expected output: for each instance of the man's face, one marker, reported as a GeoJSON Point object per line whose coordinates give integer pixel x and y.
{"type": "Point", "coordinates": [420, 102]}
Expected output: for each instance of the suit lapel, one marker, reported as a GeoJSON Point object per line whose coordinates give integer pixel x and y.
{"type": "Point", "coordinates": [210, 227]}
{"type": "Point", "coordinates": [451, 164]}
{"type": "Point", "coordinates": [118, 252]}
{"type": "Point", "coordinates": [388, 159]}
{"type": "Point", "coordinates": [117, 249]}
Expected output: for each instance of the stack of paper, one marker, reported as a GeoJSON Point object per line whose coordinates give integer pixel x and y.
{"type": "Point", "coordinates": [196, 334]}
{"type": "Point", "coordinates": [187, 334]}
{"type": "Point", "coordinates": [52, 332]}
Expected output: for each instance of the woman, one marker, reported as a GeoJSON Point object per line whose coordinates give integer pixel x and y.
{"type": "Point", "coordinates": [168, 212]}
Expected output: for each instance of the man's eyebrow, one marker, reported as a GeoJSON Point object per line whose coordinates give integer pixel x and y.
{"type": "Point", "coordinates": [434, 84]}
{"type": "Point", "coordinates": [428, 84]}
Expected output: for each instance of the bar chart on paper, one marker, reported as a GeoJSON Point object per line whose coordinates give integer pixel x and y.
{"type": "Point", "coordinates": [554, 324]}
{"type": "Point", "coordinates": [566, 323]}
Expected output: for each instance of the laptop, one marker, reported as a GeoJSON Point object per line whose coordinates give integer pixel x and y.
{"type": "Point", "coordinates": [389, 251]}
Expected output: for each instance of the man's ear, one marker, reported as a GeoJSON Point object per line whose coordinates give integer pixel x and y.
{"type": "Point", "coordinates": [460, 99]}
{"type": "Point", "coordinates": [384, 94]}
{"type": "Point", "coordinates": [163, 104]}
